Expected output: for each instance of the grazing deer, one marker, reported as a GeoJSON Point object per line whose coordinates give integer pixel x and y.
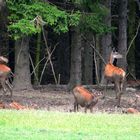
{"type": "Point", "coordinates": [84, 98]}
{"type": "Point", "coordinates": [4, 73]}
{"type": "Point", "coordinates": [115, 75]}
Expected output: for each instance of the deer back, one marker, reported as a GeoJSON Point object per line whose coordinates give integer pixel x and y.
{"type": "Point", "coordinates": [83, 96]}
{"type": "Point", "coordinates": [4, 70]}
{"type": "Point", "coordinates": [111, 70]}
{"type": "Point", "coordinates": [81, 91]}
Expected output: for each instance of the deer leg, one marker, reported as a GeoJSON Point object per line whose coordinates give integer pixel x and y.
{"type": "Point", "coordinates": [117, 88]}
{"type": "Point", "coordinates": [106, 84]}
{"type": "Point", "coordinates": [85, 109]}
{"type": "Point", "coordinates": [3, 87]}
{"type": "Point", "coordinates": [75, 106]}
{"type": "Point", "coordinates": [119, 99]}
{"type": "Point", "coordinates": [91, 109]}
{"type": "Point", "coordinates": [10, 85]}
{"type": "Point", "coordinates": [7, 83]}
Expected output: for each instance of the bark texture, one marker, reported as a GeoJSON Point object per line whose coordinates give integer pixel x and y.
{"type": "Point", "coordinates": [87, 56]}
{"type": "Point", "coordinates": [22, 80]}
{"type": "Point", "coordinates": [122, 42]}
{"type": "Point", "coordinates": [75, 70]}
{"type": "Point", "coordinates": [106, 40]}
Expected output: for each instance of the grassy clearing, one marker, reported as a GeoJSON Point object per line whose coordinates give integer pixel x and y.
{"type": "Point", "coordinates": [41, 125]}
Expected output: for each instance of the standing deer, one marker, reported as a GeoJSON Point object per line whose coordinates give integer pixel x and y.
{"type": "Point", "coordinates": [4, 73]}
{"type": "Point", "coordinates": [115, 75]}
{"type": "Point", "coordinates": [84, 98]}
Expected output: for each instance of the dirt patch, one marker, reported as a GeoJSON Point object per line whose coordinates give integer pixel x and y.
{"type": "Point", "coordinates": [61, 100]}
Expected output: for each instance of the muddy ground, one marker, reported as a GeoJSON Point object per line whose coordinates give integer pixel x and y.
{"type": "Point", "coordinates": [59, 99]}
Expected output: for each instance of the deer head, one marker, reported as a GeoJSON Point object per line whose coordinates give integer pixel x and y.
{"type": "Point", "coordinates": [114, 55]}
{"type": "Point", "coordinates": [3, 59]}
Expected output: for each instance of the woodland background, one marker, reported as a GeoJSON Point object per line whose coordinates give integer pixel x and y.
{"type": "Point", "coordinates": [68, 42]}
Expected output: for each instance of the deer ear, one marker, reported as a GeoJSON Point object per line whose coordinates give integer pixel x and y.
{"type": "Point", "coordinates": [3, 59]}
{"type": "Point", "coordinates": [113, 49]}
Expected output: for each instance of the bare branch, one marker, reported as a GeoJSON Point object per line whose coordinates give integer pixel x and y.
{"type": "Point", "coordinates": [33, 67]}
{"type": "Point", "coordinates": [49, 58]}
{"type": "Point", "coordinates": [137, 31]}
{"type": "Point", "coordinates": [94, 49]}
{"type": "Point", "coordinates": [37, 65]}
{"type": "Point", "coordinates": [138, 3]}
{"type": "Point", "coordinates": [46, 64]}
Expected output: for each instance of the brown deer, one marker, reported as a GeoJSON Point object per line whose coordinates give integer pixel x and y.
{"type": "Point", "coordinates": [84, 98]}
{"type": "Point", "coordinates": [4, 73]}
{"type": "Point", "coordinates": [115, 75]}
{"type": "Point", "coordinates": [132, 111]}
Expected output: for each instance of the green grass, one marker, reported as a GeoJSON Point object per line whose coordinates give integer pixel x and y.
{"type": "Point", "coordinates": [42, 125]}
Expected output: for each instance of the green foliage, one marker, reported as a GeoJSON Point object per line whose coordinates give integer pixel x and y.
{"type": "Point", "coordinates": [95, 24]}
{"type": "Point", "coordinates": [23, 13]}
{"type": "Point", "coordinates": [93, 16]}
{"type": "Point", "coordinates": [23, 27]}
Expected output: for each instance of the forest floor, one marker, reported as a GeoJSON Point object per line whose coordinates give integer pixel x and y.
{"type": "Point", "coordinates": [51, 98]}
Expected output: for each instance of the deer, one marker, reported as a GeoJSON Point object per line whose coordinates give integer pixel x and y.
{"type": "Point", "coordinates": [115, 74]}
{"type": "Point", "coordinates": [85, 98]}
{"type": "Point", "coordinates": [4, 73]}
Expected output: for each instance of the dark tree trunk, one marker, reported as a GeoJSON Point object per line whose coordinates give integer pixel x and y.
{"type": "Point", "coordinates": [131, 33]}
{"type": "Point", "coordinates": [63, 54]}
{"type": "Point", "coordinates": [87, 56]}
{"type": "Point", "coordinates": [3, 29]}
{"type": "Point", "coordinates": [106, 40]}
{"type": "Point", "coordinates": [122, 43]}
{"type": "Point", "coordinates": [2, 4]}
{"type": "Point", "coordinates": [75, 70]}
{"type": "Point", "coordinates": [22, 79]}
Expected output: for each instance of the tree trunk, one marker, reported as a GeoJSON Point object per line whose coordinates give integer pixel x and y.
{"type": "Point", "coordinates": [87, 54]}
{"type": "Point", "coordinates": [64, 59]}
{"type": "Point", "coordinates": [22, 79]}
{"type": "Point", "coordinates": [122, 43]}
{"type": "Point", "coordinates": [3, 29]}
{"type": "Point", "coordinates": [131, 32]}
{"type": "Point", "coordinates": [75, 70]}
{"type": "Point", "coordinates": [2, 4]}
{"type": "Point", "coordinates": [106, 40]}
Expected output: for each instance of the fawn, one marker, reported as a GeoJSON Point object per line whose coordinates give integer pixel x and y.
{"type": "Point", "coordinates": [84, 98]}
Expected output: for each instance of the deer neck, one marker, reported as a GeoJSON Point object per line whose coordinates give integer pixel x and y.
{"type": "Point", "coordinates": [111, 59]}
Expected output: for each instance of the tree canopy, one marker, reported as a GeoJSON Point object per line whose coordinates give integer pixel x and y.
{"type": "Point", "coordinates": [23, 13]}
